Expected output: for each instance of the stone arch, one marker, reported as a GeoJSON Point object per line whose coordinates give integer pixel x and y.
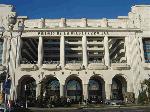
{"type": "Point", "coordinates": [96, 88]}
{"type": "Point", "coordinates": [27, 89]}
{"type": "Point", "coordinates": [19, 77]}
{"type": "Point", "coordinates": [119, 87]}
{"type": "Point", "coordinates": [74, 89]}
{"type": "Point", "coordinates": [50, 87]}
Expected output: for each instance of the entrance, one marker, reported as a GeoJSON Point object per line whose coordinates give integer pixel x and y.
{"type": "Point", "coordinates": [51, 88]}
{"type": "Point", "coordinates": [119, 87]}
{"type": "Point", "coordinates": [96, 86]}
{"type": "Point", "coordinates": [28, 90]}
{"type": "Point", "coordinates": [74, 89]}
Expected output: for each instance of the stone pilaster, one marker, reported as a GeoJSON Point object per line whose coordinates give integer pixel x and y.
{"type": "Point", "coordinates": [141, 49]}
{"type": "Point", "coordinates": [108, 91]}
{"type": "Point", "coordinates": [62, 22]}
{"type": "Point", "coordinates": [61, 90]}
{"type": "Point", "coordinates": [84, 50]}
{"type": "Point", "coordinates": [84, 22]}
{"type": "Point", "coordinates": [38, 90]}
{"type": "Point", "coordinates": [40, 51]}
{"type": "Point", "coordinates": [106, 47]}
{"type": "Point", "coordinates": [85, 91]}
{"type": "Point", "coordinates": [127, 50]}
{"type": "Point", "coordinates": [4, 51]}
{"type": "Point", "coordinates": [62, 51]}
{"type": "Point", "coordinates": [18, 55]}
{"type": "Point", "coordinates": [129, 87]}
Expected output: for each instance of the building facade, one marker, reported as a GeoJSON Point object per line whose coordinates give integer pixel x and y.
{"type": "Point", "coordinates": [89, 58]}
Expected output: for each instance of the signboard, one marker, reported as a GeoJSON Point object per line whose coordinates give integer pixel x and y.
{"type": "Point", "coordinates": [71, 33]}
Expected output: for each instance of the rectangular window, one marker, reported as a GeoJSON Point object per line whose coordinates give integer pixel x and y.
{"type": "Point", "coordinates": [29, 51]}
{"type": "Point", "coordinates": [117, 50]}
{"type": "Point", "coordinates": [94, 47]}
{"type": "Point", "coordinates": [146, 47]}
{"type": "Point", "coordinates": [51, 50]}
{"type": "Point", "coordinates": [73, 50]}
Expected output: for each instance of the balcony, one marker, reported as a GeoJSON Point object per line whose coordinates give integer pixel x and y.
{"type": "Point", "coordinates": [73, 65]}
{"type": "Point", "coordinates": [95, 49]}
{"type": "Point", "coordinates": [50, 65]}
{"type": "Point", "coordinates": [95, 43]}
{"type": "Point", "coordinates": [97, 66]}
{"type": "Point", "coordinates": [120, 66]}
{"type": "Point", "coordinates": [29, 67]}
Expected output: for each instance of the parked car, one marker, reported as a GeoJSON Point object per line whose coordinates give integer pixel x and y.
{"type": "Point", "coordinates": [114, 102]}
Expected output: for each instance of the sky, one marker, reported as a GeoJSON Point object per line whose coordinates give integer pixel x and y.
{"type": "Point", "coordinates": [73, 8]}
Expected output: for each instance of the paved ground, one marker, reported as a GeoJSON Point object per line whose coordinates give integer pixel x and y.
{"type": "Point", "coordinates": [133, 109]}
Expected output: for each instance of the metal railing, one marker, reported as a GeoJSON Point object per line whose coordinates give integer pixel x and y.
{"type": "Point", "coordinates": [28, 62]}
{"type": "Point", "coordinates": [51, 62]}
{"type": "Point", "coordinates": [74, 61]}
{"type": "Point", "coordinates": [96, 61]}
{"type": "Point", "coordinates": [118, 61]}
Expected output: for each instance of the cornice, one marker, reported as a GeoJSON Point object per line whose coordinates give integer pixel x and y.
{"type": "Point", "coordinates": [81, 29]}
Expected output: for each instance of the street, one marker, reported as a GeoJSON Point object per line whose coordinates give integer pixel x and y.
{"type": "Point", "coordinates": [144, 109]}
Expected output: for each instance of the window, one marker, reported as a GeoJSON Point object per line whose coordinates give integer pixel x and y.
{"type": "Point", "coordinates": [146, 47]}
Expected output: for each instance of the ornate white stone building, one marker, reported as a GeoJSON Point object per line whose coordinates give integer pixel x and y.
{"type": "Point", "coordinates": [94, 58]}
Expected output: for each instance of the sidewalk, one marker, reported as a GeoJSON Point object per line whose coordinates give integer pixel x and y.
{"type": "Point", "coordinates": [92, 108]}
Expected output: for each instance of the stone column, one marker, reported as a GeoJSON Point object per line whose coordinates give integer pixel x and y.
{"type": "Point", "coordinates": [85, 91]}
{"type": "Point", "coordinates": [108, 91]}
{"type": "Point", "coordinates": [40, 51]}
{"type": "Point", "coordinates": [62, 51]}
{"type": "Point", "coordinates": [84, 50]}
{"type": "Point", "coordinates": [106, 47]}
{"type": "Point", "coordinates": [18, 55]}
{"type": "Point", "coordinates": [4, 51]}
{"type": "Point", "coordinates": [61, 90]}
{"type": "Point", "coordinates": [127, 50]}
{"type": "Point", "coordinates": [141, 49]}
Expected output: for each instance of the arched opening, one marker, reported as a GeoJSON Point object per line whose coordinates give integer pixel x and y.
{"type": "Point", "coordinates": [95, 89]}
{"type": "Point", "coordinates": [74, 89]}
{"type": "Point", "coordinates": [50, 88]}
{"type": "Point", "coordinates": [119, 87]}
{"type": "Point", "coordinates": [27, 90]}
